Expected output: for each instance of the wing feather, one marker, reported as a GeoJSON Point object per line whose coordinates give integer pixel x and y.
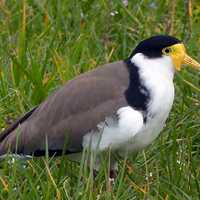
{"type": "Point", "coordinates": [70, 112]}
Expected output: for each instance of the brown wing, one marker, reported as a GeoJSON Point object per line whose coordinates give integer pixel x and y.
{"type": "Point", "coordinates": [70, 112]}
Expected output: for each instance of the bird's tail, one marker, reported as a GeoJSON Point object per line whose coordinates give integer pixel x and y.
{"type": "Point", "coordinates": [9, 133]}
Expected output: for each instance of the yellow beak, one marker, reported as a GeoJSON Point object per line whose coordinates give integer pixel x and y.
{"type": "Point", "coordinates": [190, 61]}
{"type": "Point", "coordinates": [180, 57]}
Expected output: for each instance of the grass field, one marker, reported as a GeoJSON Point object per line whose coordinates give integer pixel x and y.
{"type": "Point", "coordinates": [45, 43]}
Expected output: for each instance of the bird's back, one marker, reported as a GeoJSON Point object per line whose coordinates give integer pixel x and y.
{"type": "Point", "coordinates": [70, 112]}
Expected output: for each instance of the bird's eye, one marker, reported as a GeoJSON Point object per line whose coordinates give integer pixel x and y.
{"type": "Point", "coordinates": [166, 50]}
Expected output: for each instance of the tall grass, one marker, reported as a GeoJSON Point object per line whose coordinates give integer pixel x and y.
{"type": "Point", "coordinates": [45, 43]}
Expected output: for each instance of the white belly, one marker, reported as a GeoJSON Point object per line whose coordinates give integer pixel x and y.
{"type": "Point", "coordinates": [129, 133]}
{"type": "Point", "coordinates": [115, 131]}
{"type": "Point", "coordinates": [146, 135]}
{"type": "Point", "coordinates": [159, 110]}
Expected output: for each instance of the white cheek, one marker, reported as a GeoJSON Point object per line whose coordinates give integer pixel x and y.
{"type": "Point", "coordinates": [154, 66]}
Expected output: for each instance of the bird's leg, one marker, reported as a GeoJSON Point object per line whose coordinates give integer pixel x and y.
{"type": "Point", "coordinates": [95, 172]}
{"type": "Point", "coordinates": [112, 170]}
{"type": "Point", "coordinates": [96, 166]}
{"type": "Point", "coordinates": [112, 173]}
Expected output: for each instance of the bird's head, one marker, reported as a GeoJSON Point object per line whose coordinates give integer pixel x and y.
{"type": "Point", "coordinates": [162, 45]}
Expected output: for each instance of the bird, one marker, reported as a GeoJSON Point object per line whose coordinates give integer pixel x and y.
{"type": "Point", "coordinates": [120, 106]}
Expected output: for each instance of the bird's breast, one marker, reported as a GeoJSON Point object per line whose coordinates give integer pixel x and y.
{"type": "Point", "coordinates": [159, 106]}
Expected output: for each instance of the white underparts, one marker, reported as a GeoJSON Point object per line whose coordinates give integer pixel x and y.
{"type": "Point", "coordinates": [113, 132]}
{"type": "Point", "coordinates": [128, 132]}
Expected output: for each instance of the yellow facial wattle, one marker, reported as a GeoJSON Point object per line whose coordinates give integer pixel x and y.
{"type": "Point", "coordinates": [179, 56]}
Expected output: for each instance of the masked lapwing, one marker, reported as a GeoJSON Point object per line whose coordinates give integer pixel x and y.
{"type": "Point", "coordinates": [120, 106]}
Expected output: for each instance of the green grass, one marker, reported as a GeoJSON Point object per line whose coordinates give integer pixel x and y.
{"type": "Point", "coordinates": [45, 43]}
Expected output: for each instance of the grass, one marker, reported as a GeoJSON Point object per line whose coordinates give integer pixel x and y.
{"type": "Point", "coordinates": [45, 43]}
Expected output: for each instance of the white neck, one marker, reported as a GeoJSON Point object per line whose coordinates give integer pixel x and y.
{"type": "Point", "coordinates": [157, 76]}
{"type": "Point", "coordinates": [154, 67]}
